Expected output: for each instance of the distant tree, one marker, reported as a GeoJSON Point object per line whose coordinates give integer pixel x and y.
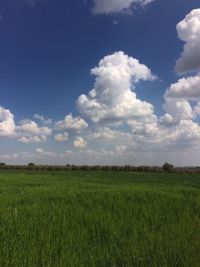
{"type": "Point", "coordinates": [2, 164]}
{"type": "Point", "coordinates": [68, 166]}
{"type": "Point", "coordinates": [31, 164]}
{"type": "Point", "coordinates": [167, 167]}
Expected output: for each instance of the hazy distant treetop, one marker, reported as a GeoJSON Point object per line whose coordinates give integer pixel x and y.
{"type": "Point", "coordinates": [31, 164]}
{"type": "Point", "coordinates": [168, 167]}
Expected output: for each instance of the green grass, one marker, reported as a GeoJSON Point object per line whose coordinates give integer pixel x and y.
{"type": "Point", "coordinates": [97, 218]}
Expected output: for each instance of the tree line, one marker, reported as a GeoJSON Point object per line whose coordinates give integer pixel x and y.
{"type": "Point", "coordinates": [167, 167]}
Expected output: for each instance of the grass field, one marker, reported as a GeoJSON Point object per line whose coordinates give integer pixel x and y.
{"type": "Point", "coordinates": [97, 218]}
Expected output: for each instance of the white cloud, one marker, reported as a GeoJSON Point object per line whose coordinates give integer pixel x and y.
{"type": "Point", "coordinates": [114, 6]}
{"type": "Point", "coordinates": [185, 88]}
{"type": "Point", "coordinates": [31, 127]}
{"type": "Point", "coordinates": [30, 132]}
{"type": "Point", "coordinates": [32, 139]}
{"type": "Point", "coordinates": [41, 153]}
{"type": "Point", "coordinates": [61, 137]}
{"type": "Point", "coordinates": [182, 106]}
{"type": "Point", "coordinates": [120, 148]}
{"type": "Point", "coordinates": [7, 124]}
{"type": "Point", "coordinates": [112, 100]}
{"type": "Point", "coordinates": [79, 142]}
{"type": "Point", "coordinates": [196, 110]}
{"type": "Point", "coordinates": [180, 109]}
{"type": "Point", "coordinates": [146, 127]}
{"type": "Point", "coordinates": [186, 133]}
{"type": "Point", "coordinates": [39, 117]}
{"type": "Point", "coordinates": [167, 120]}
{"type": "Point", "coordinates": [179, 96]}
{"type": "Point", "coordinates": [189, 32]}
{"type": "Point", "coordinates": [42, 119]}
{"type": "Point", "coordinates": [39, 150]}
{"type": "Point", "coordinates": [106, 133]}
{"type": "Point", "coordinates": [70, 123]}
{"type": "Point", "coordinates": [11, 156]}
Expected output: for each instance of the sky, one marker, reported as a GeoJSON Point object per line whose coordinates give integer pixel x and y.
{"type": "Point", "coordinates": [108, 82]}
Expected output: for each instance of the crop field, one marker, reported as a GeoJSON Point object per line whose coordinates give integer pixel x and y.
{"type": "Point", "coordinates": [99, 218]}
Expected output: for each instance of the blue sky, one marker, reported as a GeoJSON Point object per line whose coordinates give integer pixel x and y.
{"type": "Point", "coordinates": [47, 51]}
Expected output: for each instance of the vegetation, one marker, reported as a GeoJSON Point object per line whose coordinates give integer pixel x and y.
{"type": "Point", "coordinates": [31, 164]}
{"type": "Point", "coordinates": [99, 219]}
{"type": "Point", "coordinates": [167, 167]}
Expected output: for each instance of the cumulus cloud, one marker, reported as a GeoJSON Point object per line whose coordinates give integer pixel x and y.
{"type": "Point", "coordinates": [146, 127]}
{"type": "Point", "coordinates": [179, 96]}
{"type": "Point", "coordinates": [79, 142]}
{"type": "Point", "coordinates": [180, 109]}
{"type": "Point", "coordinates": [61, 137]}
{"type": "Point", "coordinates": [189, 32]}
{"type": "Point", "coordinates": [182, 102]}
{"type": "Point", "coordinates": [182, 98]}
{"type": "Point", "coordinates": [113, 100]}
{"type": "Point", "coordinates": [7, 124]}
{"type": "Point", "coordinates": [115, 6]}
{"type": "Point", "coordinates": [185, 88]}
{"type": "Point", "coordinates": [113, 103]}
{"type": "Point", "coordinates": [30, 132]}
{"type": "Point", "coordinates": [26, 132]}
{"type": "Point", "coordinates": [167, 120]}
{"type": "Point", "coordinates": [28, 126]}
{"type": "Point", "coordinates": [71, 123]}
{"type": "Point", "coordinates": [186, 133]}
